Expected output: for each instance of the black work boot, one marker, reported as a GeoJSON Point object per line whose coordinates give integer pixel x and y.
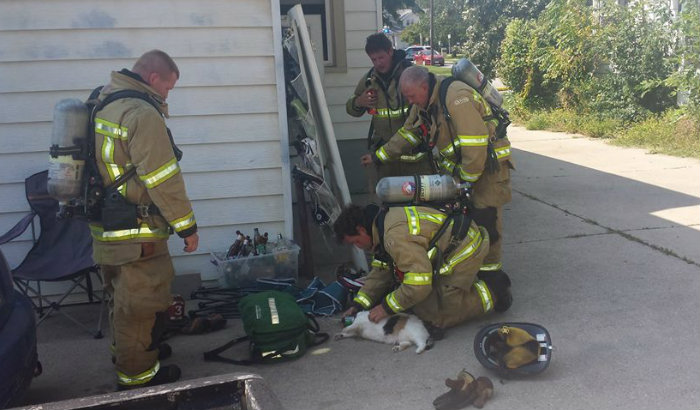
{"type": "Point", "coordinates": [498, 283]}
{"type": "Point", "coordinates": [164, 351]}
{"type": "Point", "coordinates": [166, 374]}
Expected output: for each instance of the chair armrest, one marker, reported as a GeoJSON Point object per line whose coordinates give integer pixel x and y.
{"type": "Point", "coordinates": [18, 229]}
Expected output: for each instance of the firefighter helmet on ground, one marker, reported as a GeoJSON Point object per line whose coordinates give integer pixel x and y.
{"type": "Point", "coordinates": [513, 349]}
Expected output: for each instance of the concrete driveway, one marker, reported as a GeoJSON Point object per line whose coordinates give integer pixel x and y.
{"type": "Point", "coordinates": [603, 247]}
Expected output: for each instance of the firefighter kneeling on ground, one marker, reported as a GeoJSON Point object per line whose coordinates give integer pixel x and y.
{"type": "Point", "coordinates": [438, 282]}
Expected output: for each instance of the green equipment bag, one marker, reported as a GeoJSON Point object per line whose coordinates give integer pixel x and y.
{"type": "Point", "coordinates": [276, 328]}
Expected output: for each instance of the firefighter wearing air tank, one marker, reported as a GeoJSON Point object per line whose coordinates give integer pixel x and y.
{"type": "Point", "coordinates": [377, 94]}
{"type": "Point", "coordinates": [464, 146]}
{"type": "Point", "coordinates": [437, 281]}
{"type": "Point", "coordinates": [135, 261]}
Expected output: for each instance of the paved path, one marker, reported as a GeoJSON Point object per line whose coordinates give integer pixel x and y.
{"type": "Point", "coordinates": [603, 246]}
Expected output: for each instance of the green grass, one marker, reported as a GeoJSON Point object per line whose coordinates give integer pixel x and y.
{"type": "Point", "coordinates": [676, 132]}
{"type": "Point", "coordinates": [446, 71]}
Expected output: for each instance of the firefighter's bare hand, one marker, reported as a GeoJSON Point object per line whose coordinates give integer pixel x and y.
{"type": "Point", "coordinates": [366, 160]}
{"type": "Point", "coordinates": [367, 99]}
{"type": "Point", "coordinates": [191, 242]}
{"type": "Point", "coordinates": [350, 312]}
{"type": "Point", "coordinates": [377, 313]}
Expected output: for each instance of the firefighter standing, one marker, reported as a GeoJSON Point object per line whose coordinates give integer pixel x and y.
{"type": "Point", "coordinates": [377, 93]}
{"type": "Point", "coordinates": [464, 147]}
{"type": "Point", "coordinates": [135, 261]}
{"type": "Point", "coordinates": [438, 283]}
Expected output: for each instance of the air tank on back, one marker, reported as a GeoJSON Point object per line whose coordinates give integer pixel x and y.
{"type": "Point", "coordinates": [418, 188]}
{"type": "Point", "coordinates": [465, 71]}
{"type": "Point", "coordinates": [67, 160]}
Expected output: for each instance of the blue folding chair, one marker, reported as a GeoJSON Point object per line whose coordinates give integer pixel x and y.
{"type": "Point", "coordinates": [61, 253]}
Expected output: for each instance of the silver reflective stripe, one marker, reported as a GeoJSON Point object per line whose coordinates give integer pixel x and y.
{"type": "Point", "coordinates": [412, 220]}
{"type": "Point", "coordinates": [140, 378]}
{"type": "Point", "coordinates": [144, 231]}
{"type": "Point", "coordinates": [409, 136]}
{"type": "Point", "coordinates": [392, 302]}
{"type": "Point", "coordinates": [485, 295]}
{"type": "Point", "coordinates": [183, 223]}
{"type": "Point", "coordinates": [363, 300]}
{"type": "Point", "coordinates": [274, 315]}
{"type": "Point", "coordinates": [110, 129]}
{"type": "Point", "coordinates": [491, 266]}
{"type": "Point", "coordinates": [382, 155]}
{"type": "Point", "coordinates": [160, 175]}
{"type": "Point", "coordinates": [473, 140]}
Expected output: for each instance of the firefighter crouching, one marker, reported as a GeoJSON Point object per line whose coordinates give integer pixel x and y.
{"type": "Point", "coordinates": [133, 251]}
{"type": "Point", "coordinates": [436, 281]}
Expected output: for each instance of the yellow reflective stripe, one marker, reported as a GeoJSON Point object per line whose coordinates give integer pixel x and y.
{"type": "Point", "coordinates": [502, 152]}
{"type": "Point", "coordinates": [413, 158]}
{"type": "Point", "coordinates": [114, 170]}
{"type": "Point", "coordinates": [180, 224]}
{"type": "Point", "coordinates": [393, 303]}
{"type": "Point", "coordinates": [409, 136]}
{"type": "Point", "coordinates": [110, 129]}
{"type": "Point", "coordinates": [412, 220]}
{"type": "Point", "coordinates": [469, 177]}
{"type": "Point", "coordinates": [473, 140]}
{"type": "Point", "coordinates": [386, 112]}
{"type": "Point", "coordinates": [140, 378]}
{"type": "Point", "coordinates": [160, 175]}
{"type": "Point", "coordinates": [382, 155]}
{"type": "Point", "coordinates": [379, 264]}
{"type": "Point", "coordinates": [464, 253]}
{"type": "Point", "coordinates": [435, 218]}
{"type": "Point", "coordinates": [413, 278]}
{"type": "Point", "coordinates": [448, 151]}
{"type": "Point", "coordinates": [144, 231]}
{"type": "Point", "coordinates": [432, 252]}
{"type": "Point", "coordinates": [485, 295]}
{"type": "Point", "coordinates": [491, 267]}
{"type": "Point", "coordinates": [447, 164]}
{"type": "Point", "coordinates": [363, 300]}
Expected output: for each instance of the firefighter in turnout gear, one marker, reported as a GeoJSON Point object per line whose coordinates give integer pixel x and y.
{"type": "Point", "coordinates": [378, 94]}
{"type": "Point", "coordinates": [130, 133]}
{"type": "Point", "coordinates": [436, 279]}
{"type": "Point", "coordinates": [463, 145]}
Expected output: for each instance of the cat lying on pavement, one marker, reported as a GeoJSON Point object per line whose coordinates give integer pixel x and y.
{"type": "Point", "coordinates": [401, 330]}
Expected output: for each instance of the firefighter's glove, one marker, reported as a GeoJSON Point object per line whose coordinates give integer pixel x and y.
{"type": "Point", "coordinates": [465, 390]}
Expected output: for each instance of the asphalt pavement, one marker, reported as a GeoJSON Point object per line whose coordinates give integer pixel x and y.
{"type": "Point", "coordinates": [602, 246]}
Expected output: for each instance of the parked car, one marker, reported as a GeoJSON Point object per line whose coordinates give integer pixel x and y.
{"type": "Point", "coordinates": [425, 57]}
{"type": "Point", "coordinates": [18, 354]}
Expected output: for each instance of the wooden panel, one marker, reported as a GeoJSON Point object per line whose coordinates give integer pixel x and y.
{"type": "Point", "coordinates": [105, 43]}
{"type": "Point", "coordinates": [358, 59]}
{"type": "Point", "coordinates": [251, 210]}
{"type": "Point", "coordinates": [31, 107]}
{"type": "Point", "coordinates": [36, 136]}
{"type": "Point", "coordinates": [361, 20]}
{"type": "Point", "coordinates": [338, 114]}
{"type": "Point", "coordinates": [12, 199]}
{"type": "Point", "coordinates": [229, 157]}
{"type": "Point", "coordinates": [244, 183]}
{"type": "Point", "coordinates": [198, 158]}
{"type": "Point", "coordinates": [350, 130]}
{"type": "Point", "coordinates": [32, 76]}
{"type": "Point", "coordinates": [204, 129]}
{"type": "Point", "coordinates": [361, 5]}
{"type": "Point", "coordinates": [350, 78]}
{"type": "Point", "coordinates": [356, 39]}
{"type": "Point", "coordinates": [339, 95]}
{"type": "Point", "coordinates": [80, 14]}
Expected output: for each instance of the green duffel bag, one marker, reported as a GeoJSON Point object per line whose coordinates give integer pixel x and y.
{"type": "Point", "coordinates": [276, 328]}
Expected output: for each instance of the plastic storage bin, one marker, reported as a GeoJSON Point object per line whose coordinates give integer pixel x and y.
{"type": "Point", "coordinates": [244, 271]}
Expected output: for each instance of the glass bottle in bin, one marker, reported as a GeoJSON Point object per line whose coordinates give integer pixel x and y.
{"type": "Point", "coordinates": [235, 248]}
{"type": "Point", "coordinates": [281, 249]}
{"type": "Point", "coordinates": [258, 242]}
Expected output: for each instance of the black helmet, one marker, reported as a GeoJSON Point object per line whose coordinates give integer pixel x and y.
{"type": "Point", "coordinates": [514, 348]}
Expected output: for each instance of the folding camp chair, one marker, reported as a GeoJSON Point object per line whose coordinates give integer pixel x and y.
{"type": "Point", "coordinates": [61, 253]}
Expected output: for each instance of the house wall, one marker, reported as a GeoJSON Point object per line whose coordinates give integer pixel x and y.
{"type": "Point", "coordinates": [225, 112]}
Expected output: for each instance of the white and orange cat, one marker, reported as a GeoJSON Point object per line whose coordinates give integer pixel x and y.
{"type": "Point", "coordinates": [401, 330]}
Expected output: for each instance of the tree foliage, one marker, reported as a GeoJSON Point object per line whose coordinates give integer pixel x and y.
{"type": "Point", "coordinates": [612, 60]}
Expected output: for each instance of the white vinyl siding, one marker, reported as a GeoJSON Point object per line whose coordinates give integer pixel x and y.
{"type": "Point", "coordinates": [224, 110]}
